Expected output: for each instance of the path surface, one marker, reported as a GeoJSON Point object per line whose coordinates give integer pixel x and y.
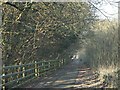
{"type": "Point", "coordinates": [73, 75]}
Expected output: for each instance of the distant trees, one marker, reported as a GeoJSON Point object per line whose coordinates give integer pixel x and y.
{"type": "Point", "coordinates": [104, 44]}
{"type": "Point", "coordinates": [102, 50]}
{"type": "Point", "coordinates": [37, 31]}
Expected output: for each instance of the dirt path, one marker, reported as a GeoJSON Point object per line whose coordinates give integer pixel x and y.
{"type": "Point", "coordinates": [73, 75]}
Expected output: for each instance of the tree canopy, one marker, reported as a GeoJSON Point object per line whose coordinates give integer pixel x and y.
{"type": "Point", "coordinates": [44, 30]}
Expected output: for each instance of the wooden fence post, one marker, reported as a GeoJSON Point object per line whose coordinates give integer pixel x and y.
{"type": "Point", "coordinates": [62, 61]}
{"type": "Point", "coordinates": [3, 79]}
{"type": "Point", "coordinates": [59, 63]}
{"type": "Point", "coordinates": [118, 83]}
{"type": "Point", "coordinates": [18, 70]}
{"type": "Point", "coordinates": [49, 65]}
{"type": "Point", "coordinates": [38, 70]}
{"type": "Point", "coordinates": [23, 69]}
{"type": "Point", "coordinates": [35, 68]}
{"type": "Point", "coordinates": [55, 64]}
{"type": "Point", "coordinates": [43, 68]}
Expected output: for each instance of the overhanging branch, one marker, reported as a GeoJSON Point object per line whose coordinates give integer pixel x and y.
{"type": "Point", "coordinates": [13, 5]}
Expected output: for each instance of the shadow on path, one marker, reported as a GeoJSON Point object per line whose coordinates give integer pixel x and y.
{"type": "Point", "coordinates": [73, 75]}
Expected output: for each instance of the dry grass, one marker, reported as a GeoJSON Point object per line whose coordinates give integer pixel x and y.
{"type": "Point", "coordinates": [109, 75]}
{"type": "Point", "coordinates": [107, 70]}
{"type": "Point", "coordinates": [102, 54]}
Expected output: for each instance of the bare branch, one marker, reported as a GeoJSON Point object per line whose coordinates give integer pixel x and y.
{"type": "Point", "coordinates": [13, 5]}
{"type": "Point", "coordinates": [99, 10]}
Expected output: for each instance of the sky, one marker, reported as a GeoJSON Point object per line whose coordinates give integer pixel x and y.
{"type": "Point", "coordinates": [109, 8]}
